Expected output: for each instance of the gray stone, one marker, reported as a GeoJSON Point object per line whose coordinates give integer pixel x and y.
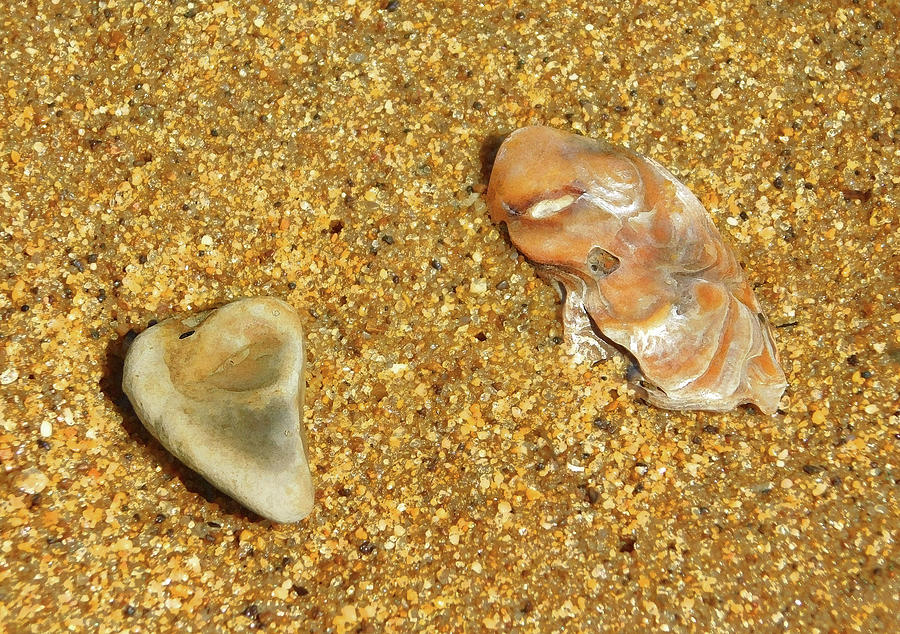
{"type": "Point", "coordinates": [223, 392]}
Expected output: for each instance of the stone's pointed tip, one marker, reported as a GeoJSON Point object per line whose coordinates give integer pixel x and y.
{"type": "Point", "coordinates": [285, 515]}
{"type": "Point", "coordinates": [223, 392]}
{"type": "Point", "coordinates": [644, 264]}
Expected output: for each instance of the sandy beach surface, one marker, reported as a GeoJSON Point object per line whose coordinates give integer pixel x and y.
{"type": "Point", "coordinates": [164, 157]}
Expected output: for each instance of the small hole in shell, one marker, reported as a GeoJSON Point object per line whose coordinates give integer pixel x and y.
{"type": "Point", "coordinates": [601, 262]}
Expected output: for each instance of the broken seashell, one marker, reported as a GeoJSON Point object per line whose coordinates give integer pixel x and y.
{"type": "Point", "coordinates": [223, 392]}
{"type": "Point", "coordinates": [639, 258]}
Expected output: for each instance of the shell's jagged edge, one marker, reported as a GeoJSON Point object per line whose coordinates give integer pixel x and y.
{"type": "Point", "coordinates": [640, 259]}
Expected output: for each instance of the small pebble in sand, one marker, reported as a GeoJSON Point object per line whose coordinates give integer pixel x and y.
{"type": "Point", "coordinates": [31, 481]}
{"type": "Point", "coordinates": [8, 376]}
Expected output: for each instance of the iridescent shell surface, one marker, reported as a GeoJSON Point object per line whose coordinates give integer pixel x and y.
{"type": "Point", "coordinates": [643, 268]}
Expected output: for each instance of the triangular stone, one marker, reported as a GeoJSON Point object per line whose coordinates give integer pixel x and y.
{"type": "Point", "coordinates": [223, 392]}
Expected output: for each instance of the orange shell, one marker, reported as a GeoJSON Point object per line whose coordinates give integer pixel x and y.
{"type": "Point", "coordinates": [641, 261]}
